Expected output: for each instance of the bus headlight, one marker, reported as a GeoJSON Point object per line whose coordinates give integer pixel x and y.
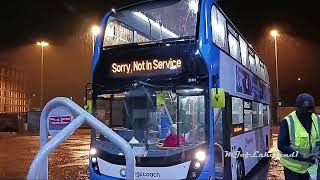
{"type": "Point", "coordinates": [93, 151]}
{"type": "Point", "coordinates": [197, 165]}
{"type": "Point", "coordinates": [94, 160]}
{"type": "Point", "coordinates": [200, 155]}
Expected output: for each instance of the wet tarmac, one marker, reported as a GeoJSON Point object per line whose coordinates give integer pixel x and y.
{"type": "Point", "coordinates": [70, 160]}
{"type": "Point", "coordinates": [270, 168]}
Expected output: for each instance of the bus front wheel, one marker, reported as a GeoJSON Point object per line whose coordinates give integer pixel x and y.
{"type": "Point", "coordinates": [240, 169]}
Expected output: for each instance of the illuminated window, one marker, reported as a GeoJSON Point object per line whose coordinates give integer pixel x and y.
{"type": "Point", "coordinates": [234, 47]}
{"type": "Point", "coordinates": [260, 115]}
{"type": "Point", "coordinates": [267, 74]}
{"type": "Point", "coordinates": [152, 22]}
{"type": "Point", "coordinates": [244, 53]}
{"type": "Point", "coordinates": [258, 72]}
{"type": "Point", "coordinates": [117, 33]}
{"type": "Point", "coordinates": [140, 38]}
{"type": "Point", "coordinates": [247, 117]}
{"type": "Point", "coordinates": [219, 33]}
{"type": "Point", "coordinates": [255, 115]}
{"type": "Point", "coordinates": [237, 110]}
{"type": "Point", "coordinates": [263, 72]}
{"type": "Point", "coordinates": [266, 116]}
{"type": "Point", "coordinates": [252, 63]}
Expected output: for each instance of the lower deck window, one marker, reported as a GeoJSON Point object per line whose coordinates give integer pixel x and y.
{"type": "Point", "coordinates": [237, 110]}
{"type": "Point", "coordinates": [247, 115]}
{"type": "Point", "coordinates": [255, 115]}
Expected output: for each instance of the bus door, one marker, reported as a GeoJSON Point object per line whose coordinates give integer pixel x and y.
{"type": "Point", "coordinates": [222, 124]}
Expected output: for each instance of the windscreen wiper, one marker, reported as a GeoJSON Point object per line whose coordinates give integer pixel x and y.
{"type": "Point", "coordinates": [181, 38]}
{"type": "Point", "coordinates": [148, 84]}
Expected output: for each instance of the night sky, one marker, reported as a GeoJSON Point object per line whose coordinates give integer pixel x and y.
{"type": "Point", "coordinates": [65, 24]}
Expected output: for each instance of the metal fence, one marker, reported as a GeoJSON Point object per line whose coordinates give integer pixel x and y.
{"type": "Point", "coordinates": [13, 122]}
{"type": "Point", "coordinates": [22, 122]}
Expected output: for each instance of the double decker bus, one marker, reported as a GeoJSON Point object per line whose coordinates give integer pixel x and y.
{"type": "Point", "coordinates": [178, 71]}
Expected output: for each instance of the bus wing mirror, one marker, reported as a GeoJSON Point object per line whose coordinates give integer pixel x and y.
{"type": "Point", "coordinates": [218, 97]}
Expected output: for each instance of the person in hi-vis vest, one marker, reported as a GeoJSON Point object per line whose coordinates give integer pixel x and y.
{"type": "Point", "coordinates": [298, 140]}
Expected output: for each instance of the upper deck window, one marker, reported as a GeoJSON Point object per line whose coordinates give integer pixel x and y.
{"type": "Point", "coordinates": [257, 65]}
{"type": "Point", "coordinates": [228, 38]}
{"type": "Point", "coordinates": [234, 47]}
{"type": "Point", "coordinates": [267, 75]}
{"type": "Point", "coordinates": [234, 43]}
{"type": "Point", "coordinates": [219, 32]}
{"type": "Point", "coordinates": [252, 63]}
{"type": "Point", "coordinates": [166, 20]}
{"type": "Point", "coordinates": [263, 73]}
{"type": "Point", "coordinates": [244, 53]}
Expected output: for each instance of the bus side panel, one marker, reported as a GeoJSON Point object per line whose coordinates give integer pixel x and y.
{"type": "Point", "coordinates": [267, 136]}
{"type": "Point", "coordinates": [227, 75]}
{"type": "Point", "coordinates": [247, 144]}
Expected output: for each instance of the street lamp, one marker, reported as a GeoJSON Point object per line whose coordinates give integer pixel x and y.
{"type": "Point", "coordinates": [274, 33]}
{"type": "Point", "coordinates": [95, 30]}
{"type": "Point", "coordinates": [42, 44]}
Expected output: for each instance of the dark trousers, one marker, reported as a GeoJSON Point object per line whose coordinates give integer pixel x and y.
{"type": "Point", "coordinates": [290, 175]}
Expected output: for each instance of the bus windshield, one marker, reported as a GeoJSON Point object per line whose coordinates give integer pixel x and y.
{"type": "Point", "coordinates": [159, 118]}
{"type": "Point", "coordinates": [152, 21]}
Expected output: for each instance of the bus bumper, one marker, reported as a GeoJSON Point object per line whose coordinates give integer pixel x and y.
{"type": "Point", "coordinates": [95, 176]}
{"type": "Point", "coordinates": [204, 175]}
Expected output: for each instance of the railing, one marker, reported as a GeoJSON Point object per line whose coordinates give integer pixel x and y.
{"type": "Point", "coordinates": [39, 166]}
{"type": "Point", "coordinates": [222, 153]}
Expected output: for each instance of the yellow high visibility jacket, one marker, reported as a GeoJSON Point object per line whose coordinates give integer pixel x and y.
{"type": "Point", "coordinates": [301, 141]}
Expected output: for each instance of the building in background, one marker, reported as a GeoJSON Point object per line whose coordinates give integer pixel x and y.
{"type": "Point", "coordinates": [13, 93]}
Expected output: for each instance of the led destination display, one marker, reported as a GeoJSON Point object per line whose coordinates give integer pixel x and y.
{"type": "Point", "coordinates": [139, 67]}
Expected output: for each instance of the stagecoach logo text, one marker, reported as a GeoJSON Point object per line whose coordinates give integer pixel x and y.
{"type": "Point", "coordinates": [146, 65]}
{"type": "Point", "coordinates": [141, 174]}
{"type": "Point", "coordinates": [148, 174]}
{"type": "Point", "coordinates": [123, 172]}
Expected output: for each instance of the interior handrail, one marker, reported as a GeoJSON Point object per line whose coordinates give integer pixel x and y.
{"type": "Point", "coordinates": [222, 153]}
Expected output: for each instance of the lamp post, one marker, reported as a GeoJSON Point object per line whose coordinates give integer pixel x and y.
{"type": "Point", "coordinates": [95, 30]}
{"type": "Point", "coordinates": [42, 44]}
{"type": "Point", "coordinates": [275, 34]}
